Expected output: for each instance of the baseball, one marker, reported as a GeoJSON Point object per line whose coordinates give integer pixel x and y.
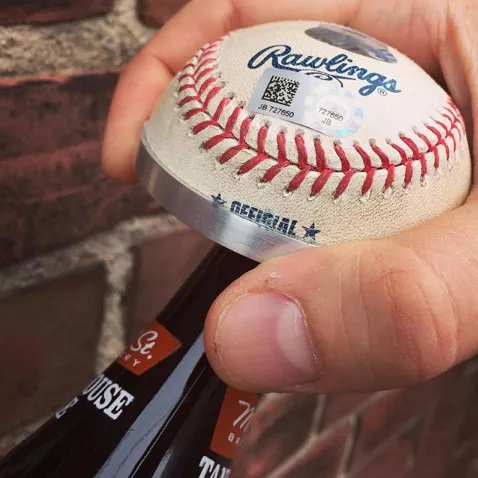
{"type": "Point", "coordinates": [313, 130]}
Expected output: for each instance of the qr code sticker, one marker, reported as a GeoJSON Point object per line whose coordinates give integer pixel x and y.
{"type": "Point", "coordinates": [281, 90]}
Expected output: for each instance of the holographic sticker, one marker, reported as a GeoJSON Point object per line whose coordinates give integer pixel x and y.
{"type": "Point", "coordinates": [332, 110]}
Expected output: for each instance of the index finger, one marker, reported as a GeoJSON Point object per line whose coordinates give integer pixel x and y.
{"type": "Point", "coordinates": [148, 75]}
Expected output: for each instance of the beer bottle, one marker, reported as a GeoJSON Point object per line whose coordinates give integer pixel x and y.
{"type": "Point", "coordinates": [149, 404]}
{"type": "Point", "coordinates": [207, 442]}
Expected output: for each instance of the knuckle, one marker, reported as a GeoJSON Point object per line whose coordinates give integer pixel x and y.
{"type": "Point", "coordinates": [416, 324]}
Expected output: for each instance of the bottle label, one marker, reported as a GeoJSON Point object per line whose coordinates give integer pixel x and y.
{"type": "Point", "coordinates": [154, 345]}
{"type": "Point", "coordinates": [105, 395]}
{"type": "Point", "coordinates": [211, 469]}
{"type": "Point", "coordinates": [234, 418]}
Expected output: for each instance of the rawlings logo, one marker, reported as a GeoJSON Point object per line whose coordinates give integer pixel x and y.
{"type": "Point", "coordinates": [339, 68]}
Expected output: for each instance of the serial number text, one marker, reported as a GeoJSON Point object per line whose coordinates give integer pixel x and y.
{"type": "Point", "coordinates": [277, 111]}
{"type": "Point", "coordinates": [331, 114]}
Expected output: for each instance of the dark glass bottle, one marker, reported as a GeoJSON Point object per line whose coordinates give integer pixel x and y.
{"type": "Point", "coordinates": [144, 400]}
{"type": "Point", "coordinates": [208, 441]}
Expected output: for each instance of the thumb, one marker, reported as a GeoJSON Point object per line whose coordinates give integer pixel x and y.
{"type": "Point", "coordinates": [353, 317]}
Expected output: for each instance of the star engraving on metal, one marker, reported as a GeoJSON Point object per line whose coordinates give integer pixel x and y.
{"type": "Point", "coordinates": [310, 231]}
{"type": "Point", "coordinates": [217, 200]}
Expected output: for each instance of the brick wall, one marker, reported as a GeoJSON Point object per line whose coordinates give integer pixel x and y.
{"type": "Point", "coordinates": [426, 431]}
{"type": "Point", "coordinates": [85, 262]}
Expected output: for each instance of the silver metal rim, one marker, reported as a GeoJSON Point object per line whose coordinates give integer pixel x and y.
{"type": "Point", "coordinates": [218, 223]}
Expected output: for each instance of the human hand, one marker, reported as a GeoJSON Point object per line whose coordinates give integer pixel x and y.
{"type": "Point", "coordinates": [351, 317]}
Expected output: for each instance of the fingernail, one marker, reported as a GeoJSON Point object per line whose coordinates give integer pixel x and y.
{"type": "Point", "coordinates": [262, 341]}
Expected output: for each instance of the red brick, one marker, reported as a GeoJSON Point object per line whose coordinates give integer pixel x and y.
{"type": "Point", "coordinates": [469, 424]}
{"type": "Point", "coordinates": [271, 409]}
{"type": "Point", "coordinates": [435, 447]}
{"type": "Point", "coordinates": [269, 443]}
{"type": "Point", "coordinates": [161, 266]}
{"type": "Point", "coordinates": [48, 338]}
{"type": "Point", "coordinates": [396, 457]}
{"type": "Point", "coordinates": [320, 457]}
{"type": "Point", "coordinates": [340, 405]}
{"type": "Point", "coordinates": [47, 11]}
{"type": "Point", "coordinates": [154, 13]}
{"type": "Point", "coordinates": [51, 200]}
{"type": "Point", "coordinates": [469, 391]}
{"type": "Point", "coordinates": [465, 464]}
{"type": "Point", "coordinates": [382, 418]}
{"type": "Point", "coordinates": [46, 114]}
{"type": "Point", "coordinates": [448, 425]}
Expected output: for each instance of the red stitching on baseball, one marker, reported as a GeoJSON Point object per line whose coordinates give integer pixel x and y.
{"type": "Point", "coordinates": [201, 68]}
{"type": "Point", "coordinates": [416, 156]}
{"type": "Point", "coordinates": [381, 154]}
{"type": "Point", "coordinates": [447, 149]}
{"type": "Point", "coordinates": [321, 181]}
{"type": "Point", "coordinates": [303, 158]}
{"type": "Point", "coordinates": [215, 140]}
{"type": "Point", "coordinates": [244, 130]}
{"type": "Point", "coordinates": [401, 152]}
{"type": "Point", "coordinates": [214, 121]}
{"type": "Point", "coordinates": [435, 150]}
{"type": "Point", "coordinates": [298, 179]}
{"type": "Point", "coordinates": [343, 157]}
{"type": "Point", "coordinates": [185, 76]}
{"type": "Point", "coordinates": [202, 126]}
{"type": "Point", "coordinates": [390, 176]}
{"type": "Point", "coordinates": [261, 139]}
{"type": "Point", "coordinates": [212, 93]}
{"type": "Point", "coordinates": [252, 163]}
{"type": "Point", "coordinates": [232, 119]}
{"type": "Point", "coordinates": [344, 183]}
{"type": "Point", "coordinates": [452, 136]}
{"type": "Point", "coordinates": [230, 153]}
{"type": "Point", "coordinates": [319, 155]}
{"type": "Point", "coordinates": [208, 61]}
{"type": "Point", "coordinates": [205, 86]}
{"type": "Point", "coordinates": [367, 184]}
{"type": "Point", "coordinates": [194, 112]}
{"type": "Point", "coordinates": [422, 157]}
{"type": "Point", "coordinates": [367, 162]}
{"type": "Point", "coordinates": [447, 117]}
{"type": "Point", "coordinates": [188, 99]}
{"type": "Point", "coordinates": [282, 161]}
{"type": "Point", "coordinates": [203, 73]}
{"type": "Point", "coordinates": [261, 156]}
{"type": "Point", "coordinates": [185, 87]}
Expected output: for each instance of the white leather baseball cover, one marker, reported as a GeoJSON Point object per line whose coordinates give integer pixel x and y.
{"type": "Point", "coordinates": [313, 130]}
